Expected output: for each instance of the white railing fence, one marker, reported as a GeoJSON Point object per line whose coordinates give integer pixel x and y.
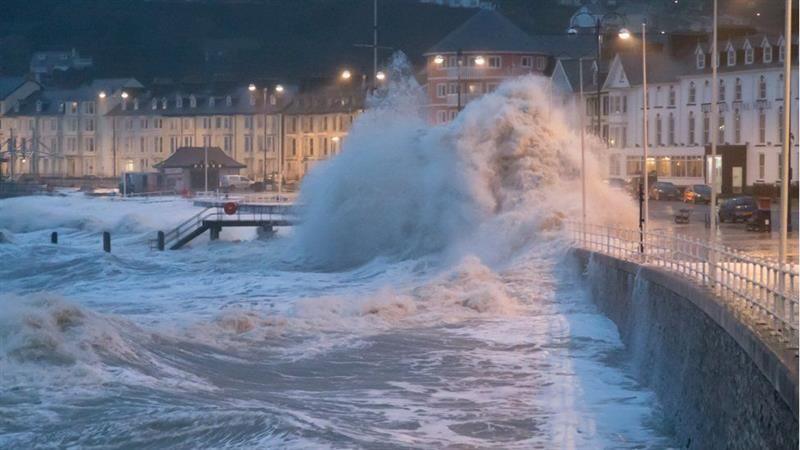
{"type": "Point", "coordinates": [763, 292]}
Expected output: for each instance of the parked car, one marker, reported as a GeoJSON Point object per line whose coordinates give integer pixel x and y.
{"type": "Point", "coordinates": [697, 193]}
{"type": "Point", "coordinates": [737, 209]}
{"type": "Point", "coordinates": [235, 182]}
{"type": "Point", "coordinates": [664, 190]}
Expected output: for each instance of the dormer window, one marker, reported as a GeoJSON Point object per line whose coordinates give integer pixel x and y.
{"type": "Point", "coordinates": [211, 102]}
{"type": "Point", "coordinates": [767, 54]}
{"type": "Point", "coordinates": [192, 101]}
{"type": "Point", "coordinates": [135, 104]}
{"type": "Point", "coordinates": [38, 106]}
{"type": "Point", "coordinates": [154, 104]}
{"type": "Point", "coordinates": [701, 59]}
{"type": "Point", "coordinates": [163, 103]}
{"type": "Point", "coordinates": [252, 100]}
{"type": "Point", "coordinates": [228, 101]}
{"type": "Point", "coordinates": [749, 53]}
{"type": "Point", "coordinates": [61, 107]}
{"type": "Point", "coordinates": [731, 56]}
{"type": "Point", "coordinates": [721, 96]}
{"type": "Point", "coordinates": [178, 101]}
{"type": "Point", "coordinates": [781, 51]}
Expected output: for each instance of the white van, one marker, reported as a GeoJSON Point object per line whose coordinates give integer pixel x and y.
{"type": "Point", "coordinates": [234, 182]}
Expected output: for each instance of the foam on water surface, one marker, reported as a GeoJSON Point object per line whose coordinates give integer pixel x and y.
{"type": "Point", "coordinates": [421, 304]}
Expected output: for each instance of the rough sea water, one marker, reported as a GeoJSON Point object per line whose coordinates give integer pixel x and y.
{"type": "Point", "coordinates": [423, 303]}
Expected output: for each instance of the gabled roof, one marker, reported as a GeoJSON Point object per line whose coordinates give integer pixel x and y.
{"type": "Point", "coordinates": [571, 69]}
{"type": "Point", "coordinates": [487, 30]}
{"type": "Point", "coordinates": [661, 68]}
{"type": "Point", "coordinates": [242, 101]}
{"type": "Point", "coordinates": [327, 100]}
{"type": "Point", "coordinates": [190, 157]}
{"type": "Point", "coordinates": [10, 84]}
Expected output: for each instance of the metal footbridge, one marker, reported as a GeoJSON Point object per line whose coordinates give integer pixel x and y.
{"type": "Point", "coordinates": [215, 218]}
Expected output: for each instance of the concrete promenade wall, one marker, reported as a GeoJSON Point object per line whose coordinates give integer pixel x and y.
{"type": "Point", "coordinates": [721, 386]}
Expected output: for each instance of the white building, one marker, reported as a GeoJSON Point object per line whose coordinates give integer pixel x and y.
{"type": "Point", "coordinates": [679, 109]}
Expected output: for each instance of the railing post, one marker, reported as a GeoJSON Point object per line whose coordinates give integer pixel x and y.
{"type": "Point", "coordinates": [54, 237]}
{"type": "Point", "coordinates": [161, 241]}
{"type": "Point", "coordinates": [106, 242]}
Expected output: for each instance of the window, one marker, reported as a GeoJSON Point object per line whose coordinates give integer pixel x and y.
{"type": "Point", "coordinates": [143, 124]}
{"type": "Point", "coordinates": [762, 162]}
{"type": "Point", "coordinates": [88, 107]}
{"type": "Point", "coordinates": [206, 140]}
{"type": "Point", "coordinates": [452, 88]}
{"type": "Point", "coordinates": [633, 165]}
{"type": "Point", "coordinates": [441, 90]}
{"type": "Point", "coordinates": [494, 62]}
{"type": "Point", "coordinates": [613, 165]}
{"type": "Point", "coordinates": [781, 52]}
{"type": "Point", "coordinates": [157, 123]}
{"type": "Point", "coordinates": [721, 91]}
{"type": "Point", "coordinates": [73, 107]}
{"type": "Point", "coordinates": [671, 130]}
{"type": "Point", "coordinates": [678, 166]}
{"type": "Point", "coordinates": [248, 143]}
{"type": "Point", "coordinates": [762, 87]}
{"type": "Point", "coordinates": [527, 61]}
{"type": "Point", "coordinates": [72, 144]}
{"type": "Point", "coordinates": [701, 59]}
{"type": "Point", "coordinates": [672, 96]}
{"type": "Point", "coordinates": [89, 144]}
{"type": "Point", "coordinates": [779, 88]}
{"type": "Point", "coordinates": [541, 63]}
{"type": "Point", "coordinates": [780, 125]}
{"type": "Point", "coordinates": [767, 54]}
{"type": "Point", "coordinates": [441, 116]}
{"type": "Point", "coordinates": [737, 126]}
{"type": "Point", "coordinates": [762, 126]}
{"type": "Point", "coordinates": [748, 55]}
{"type": "Point", "coordinates": [658, 130]}
{"type": "Point", "coordinates": [227, 123]}
{"type": "Point", "coordinates": [706, 128]}
{"type": "Point", "coordinates": [73, 124]}
{"type": "Point", "coordinates": [228, 143]}
{"type": "Point", "coordinates": [731, 56]}
{"type": "Point", "coordinates": [248, 123]}
{"type": "Point", "coordinates": [664, 166]}
{"type": "Point", "coordinates": [158, 144]}
{"type": "Point", "coordinates": [737, 90]}
{"type": "Point", "coordinates": [90, 125]}
{"type": "Point", "coordinates": [206, 122]}
{"type": "Point", "coordinates": [692, 93]}
{"type": "Point", "coordinates": [721, 128]}
{"type": "Point", "coordinates": [694, 166]}
{"type": "Point", "coordinates": [141, 144]}
{"type": "Point", "coordinates": [691, 128]}
{"type": "Point", "coordinates": [173, 144]}
{"type": "Point", "coordinates": [218, 123]}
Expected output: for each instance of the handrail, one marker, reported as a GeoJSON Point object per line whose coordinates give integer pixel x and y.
{"type": "Point", "coordinates": [194, 221]}
{"type": "Point", "coordinates": [763, 292]}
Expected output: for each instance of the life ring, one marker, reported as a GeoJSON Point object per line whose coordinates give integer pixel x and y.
{"type": "Point", "coordinates": [230, 208]}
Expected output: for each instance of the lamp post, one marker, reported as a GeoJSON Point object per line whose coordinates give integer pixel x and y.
{"type": "Point", "coordinates": [713, 172]}
{"type": "Point", "coordinates": [458, 77]}
{"type": "Point", "coordinates": [787, 111]}
{"type": "Point", "coordinates": [583, 149]}
{"type": "Point", "coordinates": [644, 215]}
{"type": "Point", "coordinates": [624, 34]}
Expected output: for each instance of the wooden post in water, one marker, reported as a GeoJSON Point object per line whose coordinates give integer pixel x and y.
{"type": "Point", "coordinates": [54, 237]}
{"type": "Point", "coordinates": [106, 242]}
{"type": "Point", "coordinates": [161, 241]}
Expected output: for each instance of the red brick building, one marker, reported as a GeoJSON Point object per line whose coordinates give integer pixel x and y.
{"type": "Point", "coordinates": [475, 58]}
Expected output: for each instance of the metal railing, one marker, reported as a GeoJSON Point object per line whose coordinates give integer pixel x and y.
{"type": "Point", "coordinates": [762, 292]}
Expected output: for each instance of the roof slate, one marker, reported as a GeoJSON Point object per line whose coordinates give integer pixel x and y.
{"type": "Point", "coordinates": [188, 157]}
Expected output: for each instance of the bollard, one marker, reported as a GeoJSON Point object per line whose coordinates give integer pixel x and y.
{"type": "Point", "coordinates": [161, 241]}
{"type": "Point", "coordinates": [54, 237]}
{"type": "Point", "coordinates": [106, 242]}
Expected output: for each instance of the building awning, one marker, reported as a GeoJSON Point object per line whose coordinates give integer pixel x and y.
{"type": "Point", "coordinates": [194, 157]}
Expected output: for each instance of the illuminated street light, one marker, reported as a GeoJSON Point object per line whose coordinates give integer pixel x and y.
{"type": "Point", "coordinates": [438, 59]}
{"type": "Point", "coordinates": [346, 74]}
{"type": "Point", "coordinates": [479, 61]}
{"type": "Point", "coordinates": [624, 33]}
{"type": "Point", "coordinates": [124, 95]}
{"type": "Point", "coordinates": [279, 88]}
{"type": "Point", "coordinates": [102, 94]}
{"type": "Point", "coordinates": [380, 76]}
{"type": "Point", "coordinates": [251, 88]}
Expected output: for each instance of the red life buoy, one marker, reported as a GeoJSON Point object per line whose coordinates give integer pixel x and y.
{"type": "Point", "coordinates": [230, 208]}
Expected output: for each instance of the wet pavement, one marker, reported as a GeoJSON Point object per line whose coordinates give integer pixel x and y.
{"type": "Point", "coordinates": [734, 235]}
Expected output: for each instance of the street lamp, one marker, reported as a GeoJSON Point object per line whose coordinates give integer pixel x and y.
{"type": "Point", "coordinates": [479, 61]}
{"type": "Point", "coordinates": [279, 88]}
{"type": "Point", "coordinates": [438, 59]}
{"type": "Point", "coordinates": [345, 75]}
{"type": "Point", "coordinates": [380, 76]}
{"type": "Point", "coordinates": [124, 95]}
{"type": "Point", "coordinates": [102, 94]}
{"type": "Point", "coordinates": [252, 87]}
{"type": "Point", "coordinates": [623, 34]}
